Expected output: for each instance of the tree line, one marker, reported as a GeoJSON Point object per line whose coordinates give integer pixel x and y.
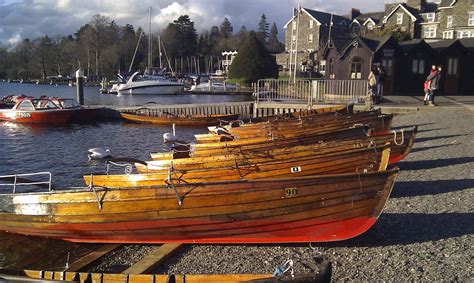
{"type": "Point", "coordinates": [102, 48]}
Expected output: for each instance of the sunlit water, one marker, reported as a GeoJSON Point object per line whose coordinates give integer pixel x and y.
{"type": "Point", "coordinates": [62, 150]}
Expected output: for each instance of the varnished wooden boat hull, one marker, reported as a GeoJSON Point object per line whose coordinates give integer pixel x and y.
{"type": "Point", "coordinates": [196, 120]}
{"type": "Point", "coordinates": [355, 160]}
{"type": "Point", "coordinates": [401, 142]}
{"type": "Point", "coordinates": [306, 209]}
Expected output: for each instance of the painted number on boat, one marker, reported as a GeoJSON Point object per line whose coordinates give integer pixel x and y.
{"type": "Point", "coordinates": [295, 169]}
{"type": "Point", "coordinates": [291, 192]}
{"type": "Point", "coordinates": [358, 145]}
{"type": "Point", "coordinates": [24, 115]}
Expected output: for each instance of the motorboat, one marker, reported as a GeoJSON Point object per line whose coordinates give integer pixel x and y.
{"type": "Point", "coordinates": [143, 84]}
{"type": "Point", "coordinates": [207, 84]}
{"type": "Point", "coordinates": [36, 110]}
{"type": "Point", "coordinates": [81, 114]}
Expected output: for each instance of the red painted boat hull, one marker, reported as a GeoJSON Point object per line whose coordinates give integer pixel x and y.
{"type": "Point", "coordinates": [58, 116]}
{"type": "Point", "coordinates": [305, 209]}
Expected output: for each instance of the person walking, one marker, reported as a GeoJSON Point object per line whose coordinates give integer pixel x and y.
{"type": "Point", "coordinates": [373, 83]}
{"type": "Point", "coordinates": [380, 79]}
{"type": "Point", "coordinates": [427, 84]}
{"type": "Point", "coordinates": [435, 78]}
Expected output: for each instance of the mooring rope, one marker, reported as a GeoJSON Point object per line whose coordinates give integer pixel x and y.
{"type": "Point", "coordinates": [395, 137]}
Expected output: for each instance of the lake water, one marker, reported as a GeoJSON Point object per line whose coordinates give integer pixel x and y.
{"type": "Point", "coordinates": [63, 152]}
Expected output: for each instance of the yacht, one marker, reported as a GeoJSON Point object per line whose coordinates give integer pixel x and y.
{"type": "Point", "coordinates": [144, 84]}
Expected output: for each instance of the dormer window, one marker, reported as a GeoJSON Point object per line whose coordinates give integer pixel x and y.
{"type": "Point", "coordinates": [430, 17]}
{"type": "Point", "coordinates": [399, 18]}
{"type": "Point", "coordinates": [370, 26]}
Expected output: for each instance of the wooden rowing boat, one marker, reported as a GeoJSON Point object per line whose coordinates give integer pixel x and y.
{"type": "Point", "coordinates": [401, 142]}
{"type": "Point", "coordinates": [181, 120]}
{"type": "Point", "coordinates": [305, 209]}
{"type": "Point", "coordinates": [294, 165]}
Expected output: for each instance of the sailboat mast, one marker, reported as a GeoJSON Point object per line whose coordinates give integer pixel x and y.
{"type": "Point", "coordinates": [159, 50]}
{"type": "Point", "coordinates": [150, 51]}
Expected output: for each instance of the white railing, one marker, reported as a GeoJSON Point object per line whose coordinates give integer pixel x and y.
{"type": "Point", "coordinates": [18, 180]}
{"type": "Point", "coordinates": [280, 90]}
{"type": "Point", "coordinates": [312, 91]}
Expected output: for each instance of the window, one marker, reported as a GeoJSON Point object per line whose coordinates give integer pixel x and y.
{"type": "Point", "coordinates": [429, 32]}
{"type": "Point", "coordinates": [322, 66]}
{"type": "Point", "coordinates": [453, 66]}
{"type": "Point", "coordinates": [418, 66]}
{"type": "Point", "coordinates": [356, 68]}
{"type": "Point", "coordinates": [399, 19]}
{"type": "Point", "coordinates": [311, 23]}
{"type": "Point", "coordinates": [355, 27]}
{"type": "Point", "coordinates": [293, 39]}
{"type": "Point", "coordinates": [25, 105]}
{"type": "Point", "coordinates": [449, 21]}
{"type": "Point", "coordinates": [448, 34]}
{"type": "Point", "coordinates": [464, 34]}
{"type": "Point", "coordinates": [294, 24]}
{"type": "Point", "coordinates": [430, 17]}
{"type": "Point", "coordinates": [470, 21]}
{"type": "Point", "coordinates": [310, 38]}
{"type": "Point", "coordinates": [387, 64]}
{"type": "Point", "coordinates": [370, 26]}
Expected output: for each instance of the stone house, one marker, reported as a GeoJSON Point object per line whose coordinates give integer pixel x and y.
{"type": "Point", "coordinates": [304, 34]}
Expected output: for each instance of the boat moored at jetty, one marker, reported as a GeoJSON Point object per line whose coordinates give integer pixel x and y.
{"type": "Point", "coordinates": [36, 110]}
{"type": "Point", "coordinates": [139, 84]}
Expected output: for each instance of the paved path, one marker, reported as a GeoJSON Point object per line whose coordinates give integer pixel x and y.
{"type": "Point", "coordinates": [415, 103]}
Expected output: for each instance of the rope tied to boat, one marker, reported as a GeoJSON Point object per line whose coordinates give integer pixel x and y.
{"type": "Point", "coordinates": [373, 144]}
{"type": "Point", "coordinates": [128, 167]}
{"type": "Point", "coordinates": [281, 270]}
{"type": "Point", "coordinates": [395, 137]}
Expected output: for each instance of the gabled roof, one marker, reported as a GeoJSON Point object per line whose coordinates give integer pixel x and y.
{"type": "Point", "coordinates": [443, 46]}
{"type": "Point", "coordinates": [447, 3]}
{"type": "Point", "coordinates": [375, 17]}
{"type": "Point", "coordinates": [410, 45]}
{"type": "Point", "coordinates": [322, 18]}
{"type": "Point", "coordinates": [373, 44]}
{"type": "Point", "coordinates": [410, 11]}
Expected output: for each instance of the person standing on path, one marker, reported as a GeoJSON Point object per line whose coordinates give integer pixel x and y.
{"type": "Point", "coordinates": [373, 83]}
{"type": "Point", "coordinates": [435, 78]}
{"type": "Point", "coordinates": [380, 79]}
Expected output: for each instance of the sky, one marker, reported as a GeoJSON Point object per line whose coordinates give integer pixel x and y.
{"type": "Point", "coordinates": [20, 19]}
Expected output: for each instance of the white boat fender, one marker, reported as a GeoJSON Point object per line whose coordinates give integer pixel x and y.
{"type": "Point", "coordinates": [98, 153]}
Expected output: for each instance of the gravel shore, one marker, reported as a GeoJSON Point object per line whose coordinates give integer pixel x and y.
{"type": "Point", "coordinates": [424, 234]}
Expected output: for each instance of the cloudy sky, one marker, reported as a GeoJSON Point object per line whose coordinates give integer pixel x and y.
{"type": "Point", "coordinates": [21, 19]}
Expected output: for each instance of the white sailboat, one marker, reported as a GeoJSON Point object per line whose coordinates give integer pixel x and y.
{"type": "Point", "coordinates": [152, 82]}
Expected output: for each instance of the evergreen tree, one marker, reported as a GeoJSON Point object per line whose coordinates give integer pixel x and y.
{"type": "Point", "coordinates": [262, 31]}
{"type": "Point", "coordinates": [253, 62]}
{"type": "Point", "coordinates": [274, 45]}
{"type": "Point", "coordinates": [181, 37]}
{"type": "Point", "coordinates": [226, 29]}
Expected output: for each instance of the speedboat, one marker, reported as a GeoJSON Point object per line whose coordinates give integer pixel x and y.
{"type": "Point", "coordinates": [81, 114]}
{"type": "Point", "coordinates": [36, 110]}
{"type": "Point", "coordinates": [207, 84]}
{"type": "Point", "coordinates": [142, 84]}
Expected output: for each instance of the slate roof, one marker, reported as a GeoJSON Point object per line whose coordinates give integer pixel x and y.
{"type": "Point", "coordinates": [325, 18]}
{"type": "Point", "coordinates": [376, 17]}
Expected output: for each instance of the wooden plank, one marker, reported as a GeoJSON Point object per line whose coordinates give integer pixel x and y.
{"type": "Point", "coordinates": [154, 259]}
{"type": "Point", "coordinates": [91, 257]}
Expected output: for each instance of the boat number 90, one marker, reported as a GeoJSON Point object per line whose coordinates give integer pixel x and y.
{"type": "Point", "coordinates": [291, 192]}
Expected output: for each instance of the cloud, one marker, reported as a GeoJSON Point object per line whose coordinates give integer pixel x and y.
{"type": "Point", "coordinates": [36, 18]}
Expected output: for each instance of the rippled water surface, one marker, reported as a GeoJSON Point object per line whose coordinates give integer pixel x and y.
{"type": "Point", "coordinates": [63, 152]}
